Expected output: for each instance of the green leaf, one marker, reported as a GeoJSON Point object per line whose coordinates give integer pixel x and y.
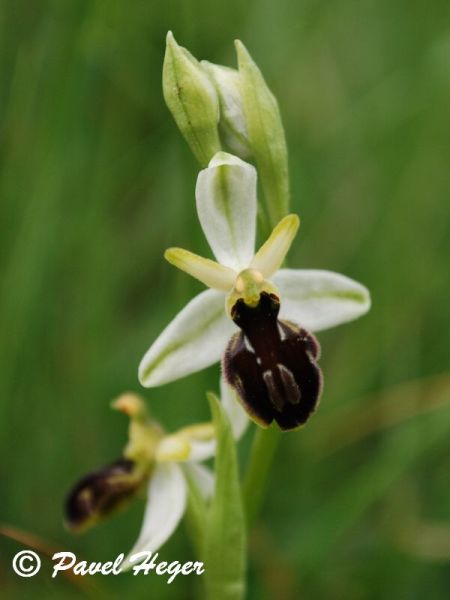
{"type": "Point", "coordinates": [263, 450]}
{"type": "Point", "coordinates": [195, 517]}
{"type": "Point", "coordinates": [225, 537]}
{"type": "Point", "coordinates": [266, 134]}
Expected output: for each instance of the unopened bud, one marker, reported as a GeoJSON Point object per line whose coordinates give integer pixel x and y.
{"type": "Point", "coordinates": [192, 99]}
{"type": "Point", "coordinates": [266, 135]}
{"type": "Point", "coordinates": [233, 126]}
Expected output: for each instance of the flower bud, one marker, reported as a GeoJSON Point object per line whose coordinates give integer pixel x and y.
{"type": "Point", "coordinates": [233, 126]}
{"type": "Point", "coordinates": [266, 135]}
{"type": "Point", "coordinates": [192, 100]}
{"type": "Point", "coordinates": [272, 365]}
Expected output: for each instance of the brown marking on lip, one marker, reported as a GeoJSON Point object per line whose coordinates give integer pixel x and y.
{"type": "Point", "coordinates": [100, 493]}
{"type": "Point", "coordinates": [280, 379]}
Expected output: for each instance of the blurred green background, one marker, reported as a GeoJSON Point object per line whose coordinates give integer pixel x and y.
{"type": "Point", "coordinates": [96, 182]}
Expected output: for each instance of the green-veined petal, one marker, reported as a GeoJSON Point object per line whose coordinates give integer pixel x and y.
{"type": "Point", "coordinates": [226, 206]}
{"type": "Point", "coordinates": [272, 253]}
{"type": "Point", "coordinates": [318, 299]}
{"type": "Point", "coordinates": [194, 340]}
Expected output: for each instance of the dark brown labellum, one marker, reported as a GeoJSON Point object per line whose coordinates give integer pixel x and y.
{"type": "Point", "coordinates": [272, 365]}
{"type": "Point", "coordinates": [98, 494]}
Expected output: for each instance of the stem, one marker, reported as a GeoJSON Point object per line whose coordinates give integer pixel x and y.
{"type": "Point", "coordinates": [265, 442]}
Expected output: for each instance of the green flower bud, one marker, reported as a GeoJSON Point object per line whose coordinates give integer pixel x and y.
{"type": "Point", "coordinates": [233, 126]}
{"type": "Point", "coordinates": [266, 135]}
{"type": "Point", "coordinates": [192, 100]}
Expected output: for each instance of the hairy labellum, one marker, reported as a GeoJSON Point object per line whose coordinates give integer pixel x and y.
{"type": "Point", "coordinates": [272, 365]}
{"type": "Point", "coordinates": [100, 493]}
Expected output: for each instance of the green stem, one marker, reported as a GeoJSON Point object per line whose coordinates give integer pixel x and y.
{"type": "Point", "coordinates": [265, 442]}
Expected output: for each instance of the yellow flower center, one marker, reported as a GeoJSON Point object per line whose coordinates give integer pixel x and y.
{"type": "Point", "coordinates": [249, 285]}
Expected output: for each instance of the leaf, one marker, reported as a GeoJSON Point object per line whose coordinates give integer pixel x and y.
{"type": "Point", "coordinates": [225, 537]}
{"type": "Point", "coordinates": [195, 515]}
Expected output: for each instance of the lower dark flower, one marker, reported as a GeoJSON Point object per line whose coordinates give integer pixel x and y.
{"type": "Point", "coordinates": [102, 492]}
{"type": "Point", "coordinates": [272, 365]}
{"type": "Point", "coordinates": [151, 465]}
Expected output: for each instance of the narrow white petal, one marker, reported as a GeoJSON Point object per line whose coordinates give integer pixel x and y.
{"type": "Point", "coordinates": [166, 502]}
{"type": "Point", "coordinates": [194, 442]}
{"type": "Point", "coordinates": [318, 300]}
{"type": "Point", "coordinates": [195, 339]}
{"type": "Point", "coordinates": [226, 206]}
{"type": "Point", "coordinates": [201, 450]}
{"type": "Point", "coordinates": [272, 253]}
{"type": "Point", "coordinates": [212, 274]}
{"type": "Point", "coordinates": [203, 477]}
{"type": "Point", "coordinates": [236, 414]}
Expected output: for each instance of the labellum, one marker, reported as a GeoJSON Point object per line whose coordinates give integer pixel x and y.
{"type": "Point", "coordinates": [100, 493]}
{"type": "Point", "coordinates": [272, 365]}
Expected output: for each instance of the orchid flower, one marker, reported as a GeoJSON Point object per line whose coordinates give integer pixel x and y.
{"type": "Point", "coordinates": [272, 362]}
{"type": "Point", "coordinates": [155, 461]}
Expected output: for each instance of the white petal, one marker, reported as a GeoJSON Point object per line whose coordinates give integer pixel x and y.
{"type": "Point", "coordinates": [201, 450]}
{"type": "Point", "coordinates": [318, 300]}
{"type": "Point", "coordinates": [166, 502]}
{"type": "Point", "coordinates": [226, 206]}
{"type": "Point", "coordinates": [272, 253]}
{"type": "Point", "coordinates": [203, 477]}
{"type": "Point", "coordinates": [236, 414]}
{"type": "Point", "coordinates": [195, 339]}
{"type": "Point", "coordinates": [212, 274]}
{"type": "Point", "coordinates": [192, 443]}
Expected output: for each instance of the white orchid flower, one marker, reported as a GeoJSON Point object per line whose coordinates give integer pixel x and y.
{"type": "Point", "coordinates": [305, 300]}
{"type": "Point", "coordinates": [158, 462]}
